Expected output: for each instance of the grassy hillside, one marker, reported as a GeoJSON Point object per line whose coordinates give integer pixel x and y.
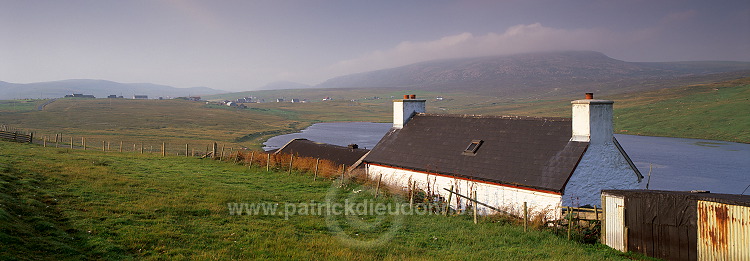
{"type": "Point", "coordinates": [58, 204]}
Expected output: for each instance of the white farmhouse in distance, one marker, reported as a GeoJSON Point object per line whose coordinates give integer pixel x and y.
{"type": "Point", "coordinates": [506, 160]}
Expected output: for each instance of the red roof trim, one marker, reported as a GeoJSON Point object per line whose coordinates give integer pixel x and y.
{"type": "Point", "coordinates": [473, 180]}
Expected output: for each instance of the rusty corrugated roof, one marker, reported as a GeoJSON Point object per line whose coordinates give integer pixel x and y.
{"type": "Point", "coordinates": [521, 151]}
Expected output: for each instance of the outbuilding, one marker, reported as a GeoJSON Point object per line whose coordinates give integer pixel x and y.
{"type": "Point", "coordinates": [339, 155]}
{"type": "Point", "coordinates": [677, 225]}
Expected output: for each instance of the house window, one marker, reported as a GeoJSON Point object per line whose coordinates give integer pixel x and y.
{"type": "Point", "coordinates": [471, 150]}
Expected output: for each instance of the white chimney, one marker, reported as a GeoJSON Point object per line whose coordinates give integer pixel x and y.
{"type": "Point", "coordinates": [592, 120]}
{"type": "Point", "coordinates": [405, 108]}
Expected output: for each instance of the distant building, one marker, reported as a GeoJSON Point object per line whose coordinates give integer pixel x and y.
{"type": "Point", "coordinates": [327, 99]}
{"type": "Point", "coordinates": [194, 98]}
{"type": "Point", "coordinates": [79, 95]}
{"type": "Point", "coordinates": [114, 96]}
{"type": "Point", "coordinates": [295, 100]}
{"type": "Point", "coordinates": [279, 100]}
{"type": "Point", "coordinates": [140, 97]}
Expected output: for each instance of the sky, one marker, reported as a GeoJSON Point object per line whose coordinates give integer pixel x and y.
{"type": "Point", "coordinates": [245, 44]}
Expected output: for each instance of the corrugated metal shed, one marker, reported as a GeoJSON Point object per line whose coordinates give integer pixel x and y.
{"type": "Point", "coordinates": [679, 225]}
{"type": "Point", "coordinates": [723, 231]}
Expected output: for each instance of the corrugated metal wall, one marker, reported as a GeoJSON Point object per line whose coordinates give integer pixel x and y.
{"type": "Point", "coordinates": [662, 226]}
{"type": "Point", "coordinates": [615, 222]}
{"type": "Point", "coordinates": [723, 231]}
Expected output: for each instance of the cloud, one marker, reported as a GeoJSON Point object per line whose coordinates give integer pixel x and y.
{"type": "Point", "coordinates": [516, 39]}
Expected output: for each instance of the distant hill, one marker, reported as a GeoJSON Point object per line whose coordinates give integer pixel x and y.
{"type": "Point", "coordinates": [98, 88]}
{"type": "Point", "coordinates": [284, 85]}
{"type": "Point", "coordinates": [548, 73]}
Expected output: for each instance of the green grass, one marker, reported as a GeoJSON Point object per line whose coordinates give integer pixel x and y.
{"type": "Point", "coordinates": [710, 111]}
{"type": "Point", "coordinates": [19, 105]}
{"type": "Point", "coordinates": [59, 204]}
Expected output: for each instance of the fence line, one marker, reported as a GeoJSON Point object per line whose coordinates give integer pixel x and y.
{"type": "Point", "coordinates": [16, 136]}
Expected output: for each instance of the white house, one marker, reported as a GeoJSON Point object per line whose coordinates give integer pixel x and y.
{"type": "Point", "coordinates": [506, 160]}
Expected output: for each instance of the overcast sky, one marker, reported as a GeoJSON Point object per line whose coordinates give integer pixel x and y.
{"type": "Point", "coordinates": [244, 44]}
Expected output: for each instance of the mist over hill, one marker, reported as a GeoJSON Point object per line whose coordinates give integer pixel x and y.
{"type": "Point", "coordinates": [547, 73]}
{"type": "Point", "coordinates": [284, 85]}
{"type": "Point", "coordinates": [98, 88]}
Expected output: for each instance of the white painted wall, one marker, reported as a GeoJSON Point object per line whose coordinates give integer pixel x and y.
{"type": "Point", "coordinates": [602, 167]}
{"type": "Point", "coordinates": [506, 198]}
{"type": "Point", "coordinates": [404, 109]}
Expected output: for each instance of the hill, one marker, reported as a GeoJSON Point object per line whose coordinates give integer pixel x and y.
{"type": "Point", "coordinates": [284, 85]}
{"type": "Point", "coordinates": [545, 74]}
{"type": "Point", "coordinates": [98, 88]}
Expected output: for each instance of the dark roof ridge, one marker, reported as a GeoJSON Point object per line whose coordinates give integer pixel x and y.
{"type": "Point", "coordinates": [509, 117]}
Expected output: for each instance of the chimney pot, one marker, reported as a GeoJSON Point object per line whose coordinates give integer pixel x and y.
{"type": "Point", "coordinates": [413, 96]}
{"type": "Point", "coordinates": [589, 96]}
{"type": "Point", "coordinates": [406, 96]}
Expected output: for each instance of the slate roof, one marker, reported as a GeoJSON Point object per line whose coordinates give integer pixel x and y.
{"type": "Point", "coordinates": [337, 154]}
{"type": "Point", "coordinates": [520, 151]}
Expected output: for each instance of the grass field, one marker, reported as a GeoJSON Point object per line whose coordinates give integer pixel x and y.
{"type": "Point", "coordinates": [59, 204]}
{"type": "Point", "coordinates": [19, 105]}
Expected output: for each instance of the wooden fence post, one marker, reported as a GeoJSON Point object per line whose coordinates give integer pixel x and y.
{"type": "Point", "coordinates": [187, 150]}
{"type": "Point", "coordinates": [342, 174]}
{"type": "Point", "coordinates": [83, 143]}
{"type": "Point", "coordinates": [525, 216]}
{"type": "Point", "coordinates": [291, 160]}
{"type": "Point", "coordinates": [596, 212]}
{"type": "Point", "coordinates": [252, 157]}
{"type": "Point", "coordinates": [71, 142]}
{"type": "Point", "coordinates": [377, 187]}
{"type": "Point", "coordinates": [213, 151]}
{"type": "Point", "coordinates": [141, 148]}
{"type": "Point", "coordinates": [570, 221]}
{"type": "Point", "coordinates": [104, 146]}
{"type": "Point", "coordinates": [475, 206]}
{"type": "Point", "coordinates": [268, 162]}
{"type": "Point", "coordinates": [315, 174]}
{"type": "Point", "coordinates": [222, 152]}
{"type": "Point", "coordinates": [31, 137]}
{"type": "Point", "coordinates": [448, 203]}
{"type": "Point", "coordinates": [163, 149]}
{"type": "Point", "coordinates": [411, 194]}
{"type": "Point", "coordinates": [120, 146]}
